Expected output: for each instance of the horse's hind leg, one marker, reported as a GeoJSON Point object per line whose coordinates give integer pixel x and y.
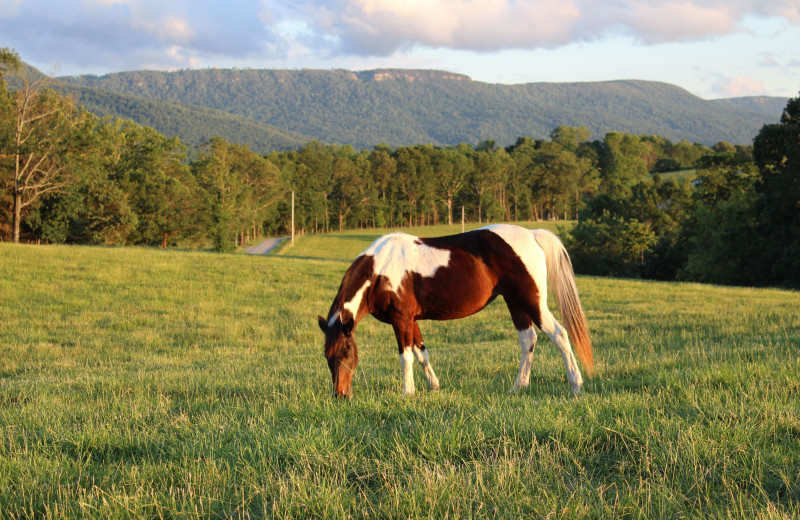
{"type": "Point", "coordinates": [558, 335]}
{"type": "Point", "coordinates": [421, 353]}
{"type": "Point", "coordinates": [527, 342]}
{"type": "Point", "coordinates": [410, 345]}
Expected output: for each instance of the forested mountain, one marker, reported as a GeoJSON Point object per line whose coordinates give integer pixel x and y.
{"type": "Point", "coordinates": [194, 124]}
{"type": "Point", "coordinates": [405, 107]}
{"type": "Point", "coordinates": [769, 106]}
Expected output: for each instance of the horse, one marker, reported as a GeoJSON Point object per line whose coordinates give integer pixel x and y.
{"type": "Point", "coordinates": [401, 279]}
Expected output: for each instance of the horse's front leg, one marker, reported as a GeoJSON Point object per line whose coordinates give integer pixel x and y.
{"type": "Point", "coordinates": [423, 357]}
{"type": "Point", "coordinates": [404, 332]}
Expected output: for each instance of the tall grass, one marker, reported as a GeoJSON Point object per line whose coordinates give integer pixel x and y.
{"type": "Point", "coordinates": [137, 384]}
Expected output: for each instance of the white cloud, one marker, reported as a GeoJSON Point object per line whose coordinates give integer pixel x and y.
{"type": "Point", "coordinates": [129, 34]}
{"type": "Point", "coordinates": [679, 21]}
{"type": "Point", "coordinates": [132, 33]}
{"type": "Point", "coordinates": [380, 27]}
{"type": "Point", "coordinates": [741, 86]}
{"type": "Point", "coordinates": [168, 29]}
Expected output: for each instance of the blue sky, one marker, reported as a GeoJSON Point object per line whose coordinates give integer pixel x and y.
{"type": "Point", "coordinates": [713, 48]}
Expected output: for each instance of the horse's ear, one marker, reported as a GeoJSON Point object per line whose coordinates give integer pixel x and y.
{"type": "Point", "coordinates": [347, 326]}
{"type": "Point", "coordinates": [323, 324]}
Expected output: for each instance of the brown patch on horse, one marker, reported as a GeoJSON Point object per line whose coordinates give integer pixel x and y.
{"type": "Point", "coordinates": [498, 271]}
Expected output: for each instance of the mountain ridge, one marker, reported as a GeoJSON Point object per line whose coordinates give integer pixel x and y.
{"type": "Point", "coordinates": [418, 106]}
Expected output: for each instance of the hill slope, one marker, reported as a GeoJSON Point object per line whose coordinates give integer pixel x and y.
{"type": "Point", "coordinates": [770, 106]}
{"type": "Point", "coordinates": [401, 107]}
{"type": "Point", "coordinates": [193, 124]}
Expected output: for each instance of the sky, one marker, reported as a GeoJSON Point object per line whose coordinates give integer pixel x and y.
{"type": "Point", "coordinates": [712, 48]}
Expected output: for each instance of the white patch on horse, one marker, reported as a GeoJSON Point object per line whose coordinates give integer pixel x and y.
{"type": "Point", "coordinates": [355, 302]}
{"type": "Point", "coordinates": [527, 342]}
{"type": "Point", "coordinates": [423, 358]}
{"type": "Point", "coordinates": [524, 244]}
{"type": "Point", "coordinates": [399, 253]}
{"type": "Point", "coordinates": [352, 305]}
{"type": "Point", "coordinates": [407, 365]}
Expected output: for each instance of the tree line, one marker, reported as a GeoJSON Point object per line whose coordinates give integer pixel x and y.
{"type": "Point", "coordinates": [737, 223]}
{"type": "Point", "coordinates": [67, 176]}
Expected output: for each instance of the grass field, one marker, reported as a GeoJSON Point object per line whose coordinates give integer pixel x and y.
{"type": "Point", "coordinates": [139, 383]}
{"type": "Point", "coordinates": [679, 175]}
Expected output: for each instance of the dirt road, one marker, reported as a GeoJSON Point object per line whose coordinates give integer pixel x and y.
{"type": "Point", "coordinates": [265, 246]}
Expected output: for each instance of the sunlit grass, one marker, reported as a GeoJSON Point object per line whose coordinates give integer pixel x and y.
{"type": "Point", "coordinates": [348, 244]}
{"type": "Point", "coordinates": [140, 383]}
{"type": "Point", "coordinates": [679, 175]}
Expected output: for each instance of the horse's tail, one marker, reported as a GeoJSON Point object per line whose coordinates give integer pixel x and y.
{"type": "Point", "coordinates": [562, 280]}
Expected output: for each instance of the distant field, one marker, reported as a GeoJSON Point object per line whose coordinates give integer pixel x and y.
{"type": "Point", "coordinates": [349, 244]}
{"type": "Point", "coordinates": [139, 383]}
{"type": "Point", "coordinates": [679, 175]}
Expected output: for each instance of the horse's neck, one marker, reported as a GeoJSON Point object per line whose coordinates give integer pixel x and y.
{"type": "Point", "coordinates": [354, 299]}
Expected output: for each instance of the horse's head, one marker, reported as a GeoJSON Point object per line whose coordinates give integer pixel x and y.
{"type": "Point", "coordinates": [341, 353]}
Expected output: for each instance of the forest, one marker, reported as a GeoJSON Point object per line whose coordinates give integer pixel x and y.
{"type": "Point", "coordinates": [733, 216]}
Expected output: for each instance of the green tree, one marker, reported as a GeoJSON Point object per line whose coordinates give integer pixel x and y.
{"type": "Point", "coordinates": [352, 186]}
{"type": "Point", "coordinates": [721, 242]}
{"type": "Point", "coordinates": [162, 191]}
{"type": "Point", "coordinates": [776, 150]}
{"type": "Point", "coordinates": [451, 169]}
{"type": "Point", "coordinates": [718, 232]}
{"type": "Point", "coordinates": [622, 163]}
{"type": "Point", "coordinates": [220, 174]}
{"type": "Point", "coordinates": [556, 175]}
{"type": "Point", "coordinates": [414, 178]}
{"type": "Point", "coordinates": [570, 137]}
{"type": "Point", "coordinates": [314, 180]}
{"type": "Point", "coordinates": [687, 154]}
{"type": "Point", "coordinates": [488, 178]}
{"type": "Point", "coordinates": [610, 245]}
{"type": "Point", "coordinates": [523, 154]}
{"type": "Point", "coordinates": [9, 61]}
{"type": "Point", "coordinates": [383, 167]}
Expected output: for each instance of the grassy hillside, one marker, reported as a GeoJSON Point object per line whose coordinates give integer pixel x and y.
{"type": "Point", "coordinates": [404, 107]}
{"type": "Point", "coordinates": [142, 383]}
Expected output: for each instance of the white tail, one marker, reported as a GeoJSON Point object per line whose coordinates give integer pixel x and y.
{"type": "Point", "coordinates": [562, 280]}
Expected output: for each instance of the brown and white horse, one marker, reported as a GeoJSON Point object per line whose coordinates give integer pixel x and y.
{"type": "Point", "coordinates": [401, 279]}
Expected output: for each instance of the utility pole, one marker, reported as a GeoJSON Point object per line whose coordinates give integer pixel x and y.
{"type": "Point", "coordinates": [462, 219]}
{"type": "Point", "coordinates": [292, 218]}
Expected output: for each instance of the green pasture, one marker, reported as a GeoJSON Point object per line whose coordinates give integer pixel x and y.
{"type": "Point", "coordinates": [138, 383]}
{"type": "Point", "coordinates": [347, 245]}
{"type": "Point", "coordinates": [679, 175]}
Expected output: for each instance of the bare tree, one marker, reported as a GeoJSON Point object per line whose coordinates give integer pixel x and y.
{"type": "Point", "coordinates": [40, 138]}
